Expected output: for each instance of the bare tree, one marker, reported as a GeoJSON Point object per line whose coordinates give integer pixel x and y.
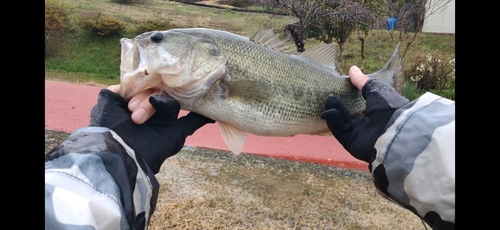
{"type": "Point", "coordinates": [362, 31]}
{"type": "Point", "coordinates": [305, 11]}
{"type": "Point", "coordinates": [338, 19]}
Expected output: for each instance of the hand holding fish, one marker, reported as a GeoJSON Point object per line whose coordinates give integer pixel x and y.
{"type": "Point", "coordinates": [139, 104]}
{"type": "Point", "coordinates": [161, 136]}
{"type": "Point", "coordinates": [359, 133]}
{"type": "Point", "coordinates": [410, 146]}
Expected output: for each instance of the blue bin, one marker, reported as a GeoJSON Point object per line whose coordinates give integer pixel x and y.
{"type": "Point", "coordinates": [391, 23]}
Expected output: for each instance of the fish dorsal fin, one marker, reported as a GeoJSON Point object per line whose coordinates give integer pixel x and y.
{"type": "Point", "coordinates": [324, 53]}
{"type": "Point", "coordinates": [269, 39]}
{"type": "Point", "coordinates": [248, 91]}
{"type": "Point", "coordinates": [233, 137]}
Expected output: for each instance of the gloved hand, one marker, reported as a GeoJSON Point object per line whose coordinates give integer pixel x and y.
{"type": "Point", "coordinates": [358, 134]}
{"type": "Point", "coordinates": [160, 137]}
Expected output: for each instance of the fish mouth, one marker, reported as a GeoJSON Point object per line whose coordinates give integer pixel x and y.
{"type": "Point", "coordinates": [134, 74]}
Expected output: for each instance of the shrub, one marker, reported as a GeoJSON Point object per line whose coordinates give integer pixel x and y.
{"type": "Point", "coordinates": [433, 74]}
{"type": "Point", "coordinates": [102, 25]}
{"type": "Point", "coordinates": [56, 23]}
{"type": "Point", "coordinates": [449, 93]}
{"type": "Point", "coordinates": [157, 24]}
{"type": "Point", "coordinates": [411, 91]}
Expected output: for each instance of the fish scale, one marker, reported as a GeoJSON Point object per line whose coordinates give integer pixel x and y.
{"type": "Point", "coordinates": [290, 78]}
{"type": "Point", "coordinates": [247, 87]}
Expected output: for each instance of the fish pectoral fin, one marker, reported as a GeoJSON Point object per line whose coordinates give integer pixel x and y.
{"type": "Point", "coordinates": [324, 53]}
{"type": "Point", "coordinates": [233, 137]}
{"type": "Point", "coordinates": [248, 90]}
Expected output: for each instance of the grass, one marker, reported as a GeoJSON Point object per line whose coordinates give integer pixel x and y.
{"type": "Point", "coordinates": [217, 190]}
{"type": "Point", "coordinates": [89, 54]}
{"type": "Point", "coordinates": [411, 91]}
{"type": "Point", "coordinates": [99, 57]}
{"type": "Point", "coordinates": [79, 77]}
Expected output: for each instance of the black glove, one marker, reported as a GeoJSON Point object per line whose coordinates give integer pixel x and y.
{"type": "Point", "coordinates": [160, 137]}
{"type": "Point", "coordinates": [359, 133]}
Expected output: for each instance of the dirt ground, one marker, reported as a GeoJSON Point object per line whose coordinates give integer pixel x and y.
{"type": "Point", "coordinates": [210, 189]}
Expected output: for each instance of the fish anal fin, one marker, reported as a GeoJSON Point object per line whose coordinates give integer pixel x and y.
{"type": "Point", "coordinates": [248, 90]}
{"type": "Point", "coordinates": [269, 39]}
{"type": "Point", "coordinates": [325, 132]}
{"type": "Point", "coordinates": [233, 137]}
{"type": "Point", "coordinates": [324, 53]}
{"type": "Point", "coordinates": [322, 132]}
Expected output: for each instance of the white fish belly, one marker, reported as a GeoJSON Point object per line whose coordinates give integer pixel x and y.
{"type": "Point", "coordinates": [260, 120]}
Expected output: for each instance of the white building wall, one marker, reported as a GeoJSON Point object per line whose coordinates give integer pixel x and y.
{"type": "Point", "coordinates": [441, 20]}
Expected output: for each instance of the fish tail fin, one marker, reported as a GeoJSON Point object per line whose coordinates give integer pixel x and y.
{"type": "Point", "coordinates": [393, 72]}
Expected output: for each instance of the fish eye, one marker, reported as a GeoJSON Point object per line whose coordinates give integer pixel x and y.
{"type": "Point", "coordinates": [157, 37]}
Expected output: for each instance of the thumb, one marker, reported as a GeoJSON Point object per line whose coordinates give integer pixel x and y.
{"type": "Point", "coordinates": [357, 77]}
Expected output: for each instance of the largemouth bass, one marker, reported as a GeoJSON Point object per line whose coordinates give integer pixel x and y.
{"type": "Point", "coordinates": [248, 85]}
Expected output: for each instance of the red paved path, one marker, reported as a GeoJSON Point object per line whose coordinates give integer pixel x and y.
{"type": "Point", "coordinates": [67, 108]}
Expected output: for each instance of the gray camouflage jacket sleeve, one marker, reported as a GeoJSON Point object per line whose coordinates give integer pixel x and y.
{"type": "Point", "coordinates": [93, 180]}
{"type": "Point", "coordinates": [415, 162]}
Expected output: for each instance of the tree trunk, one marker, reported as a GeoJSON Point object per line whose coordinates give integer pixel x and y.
{"type": "Point", "coordinates": [363, 57]}
{"type": "Point", "coordinates": [341, 52]}
{"type": "Point", "coordinates": [298, 39]}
